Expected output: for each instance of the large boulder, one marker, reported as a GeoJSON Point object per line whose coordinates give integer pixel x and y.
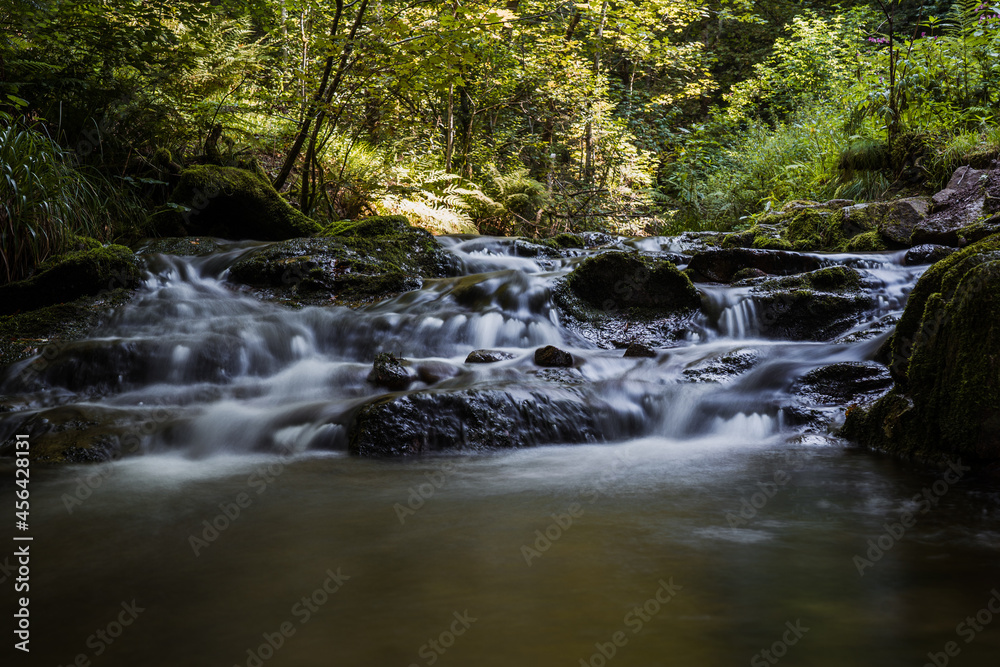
{"type": "Point", "coordinates": [230, 203]}
{"type": "Point", "coordinates": [620, 280]}
{"type": "Point", "coordinates": [618, 298]}
{"type": "Point", "coordinates": [350, 262]}
{"type": "Point", "coordinates": [961, 209]}
{"type": "Point", "coordinates": [722, 265]}
{"type": "Point", "coordinates": [946, 402]}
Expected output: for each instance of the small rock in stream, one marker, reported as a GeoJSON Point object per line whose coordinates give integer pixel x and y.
{"type": "Point", "coordinates": [487, 356]}
{"type": "Point", "coordinates": [638, 350]}
{"type": "Point", "coordinates": [388, 372]}
{"type": "Point", "coordinates": [552, 357]}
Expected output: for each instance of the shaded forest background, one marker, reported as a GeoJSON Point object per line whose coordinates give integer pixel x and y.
{"type": "Point", "coordinates": [526, 117]}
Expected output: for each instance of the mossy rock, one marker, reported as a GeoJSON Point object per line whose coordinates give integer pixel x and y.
{"type": "Point", "coordinates": [757, 237]}
{"type": "Point", "coordinates": [363, 261]}
{"type": "Point", "coordinates": [620, 280]}
{"type": "Point", "coordinates": [939, 279]}
{"type": "Point", "coordinates": [818, 305]}
{"type": "Point", "coordinates": [564, 241]}
{"type": "Point", "coordinates": [229, 203]}
{"type": "Point", "coordinates": [49, 329]}
{"type": "Point", "coordinates": [374, 227]}
{"type": "Point", "coordinates": [949, 407]}
{"type": "Point", "coordinates": [72, 275]}
{"type": "Point", "coordinates": [866, 242]}
{"type": "Point", "coordinates": [814, 229]}
{"type": "Point", "coordinates": [724, 265]}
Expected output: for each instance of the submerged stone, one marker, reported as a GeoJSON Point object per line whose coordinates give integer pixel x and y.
{"type": "Point", "coordinates": [638, 350]}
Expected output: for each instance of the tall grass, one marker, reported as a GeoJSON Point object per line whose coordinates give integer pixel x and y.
{"type": "Point", "coordinates": [43, 200]}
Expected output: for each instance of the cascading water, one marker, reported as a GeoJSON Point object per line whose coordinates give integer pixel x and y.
{"type": "Point", "coordinates": [713, 471]}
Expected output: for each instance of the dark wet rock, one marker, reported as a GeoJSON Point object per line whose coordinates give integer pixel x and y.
{"type": "Point", "coordinates": [619, 280]}
{"type": "Point", "coordinates": [723, 369]}
{"type": "Point", "coordinates": [229, 203]}
{"type": "Point", "coordinates": [597, 239]}
{"type": "Point", "coordinates": [68, 277]}
{"type": "Point", "coordinates": [638, 350]}
{"type": "Point", "coordinates": [48, 330]}
{"type": "Point", "coordinates": [722, 266]}
{"type": "Point", "coordinates": [946, 401]}
{"type": "Point", "coordinates": [882, 326]}
{"type": "Point", "coordinates": [388, 372]}
{"type": "Point", "coordinates": [351, 263]}
{"type": "Point", "coordinates": [535, 250]}
{"type": "Point", "coordinates": [488, 356]}
{"type": "Point", "coordinates": [85, 433]}
{"type": "Point", "coordinates": [835, 204]}
{"type": "Point", "coordinates": [188, 246]}
{"type": "Point", "coordinates": [552, 357]}
{"type": "Point", "coordinates": [940, 279]}
{"type": "Point", "coordinates": [423, 422]}
{"type": "Point", "coordinates": [818, 305]}
{"type": "Point", "coordinates": [926, 254]}
{"type": "Point", "coordinates": [972, 196]}
{"type": "Point", "coordinates": [844, 383]}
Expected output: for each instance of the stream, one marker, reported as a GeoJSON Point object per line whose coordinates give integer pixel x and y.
{"type": "Point", "coordinates": [713, 522]}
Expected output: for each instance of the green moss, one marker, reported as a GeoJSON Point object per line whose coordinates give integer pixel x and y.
{"type": "Point", "coordinates": [830, 279]}
{"type": "Point", "coordinates": [378, 226]}
{"type": "Point", "coordinates": [952, 269]}
{"type": "Point", "coordinates": [352, 262]}
{"type": "Point", "coordinates": [867, 242]}
{"type": "Point", "coordinates": [24, 334]}
{"type": "Point", "coordinates": [618, 280]}
{"type": "Point", "coordinates": [755, 237]}
{"type": "Point", "coordinates": [229, 203]}
{"type": "Point", "coordinates": [72, 275]}
{"type": "Point", "coordinates": [814, 229]}
{"type": "Point", "coordinates": [563, 241]}
{"type": "Point", "coordinates": [950, 405]}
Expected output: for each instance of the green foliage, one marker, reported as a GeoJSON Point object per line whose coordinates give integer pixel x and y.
{"type": "Point", "coordinates": [44, 200]}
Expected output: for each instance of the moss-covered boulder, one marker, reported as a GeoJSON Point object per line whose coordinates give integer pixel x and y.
{"type": "Point", "coordinates": [766, 237]}
{"type": "Point", "coordinates": [229, 203]}
{"type": "Point", "coordinates": [618, 280]}
{"type": "Point", "coordinates": [818, 305]}
{"type": "Point", "coordinates": [617, 298]}
{"type": "Point", "coordinates": [946, 403]}
{"type": "Point", "coordinates": [893, 221]}
{"type": "Point", "coordinates": [70, 276]}
{"type": "Point", "coordinates": [941, 278]}
{"type": "Point", "coordinates": [350, 263]}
